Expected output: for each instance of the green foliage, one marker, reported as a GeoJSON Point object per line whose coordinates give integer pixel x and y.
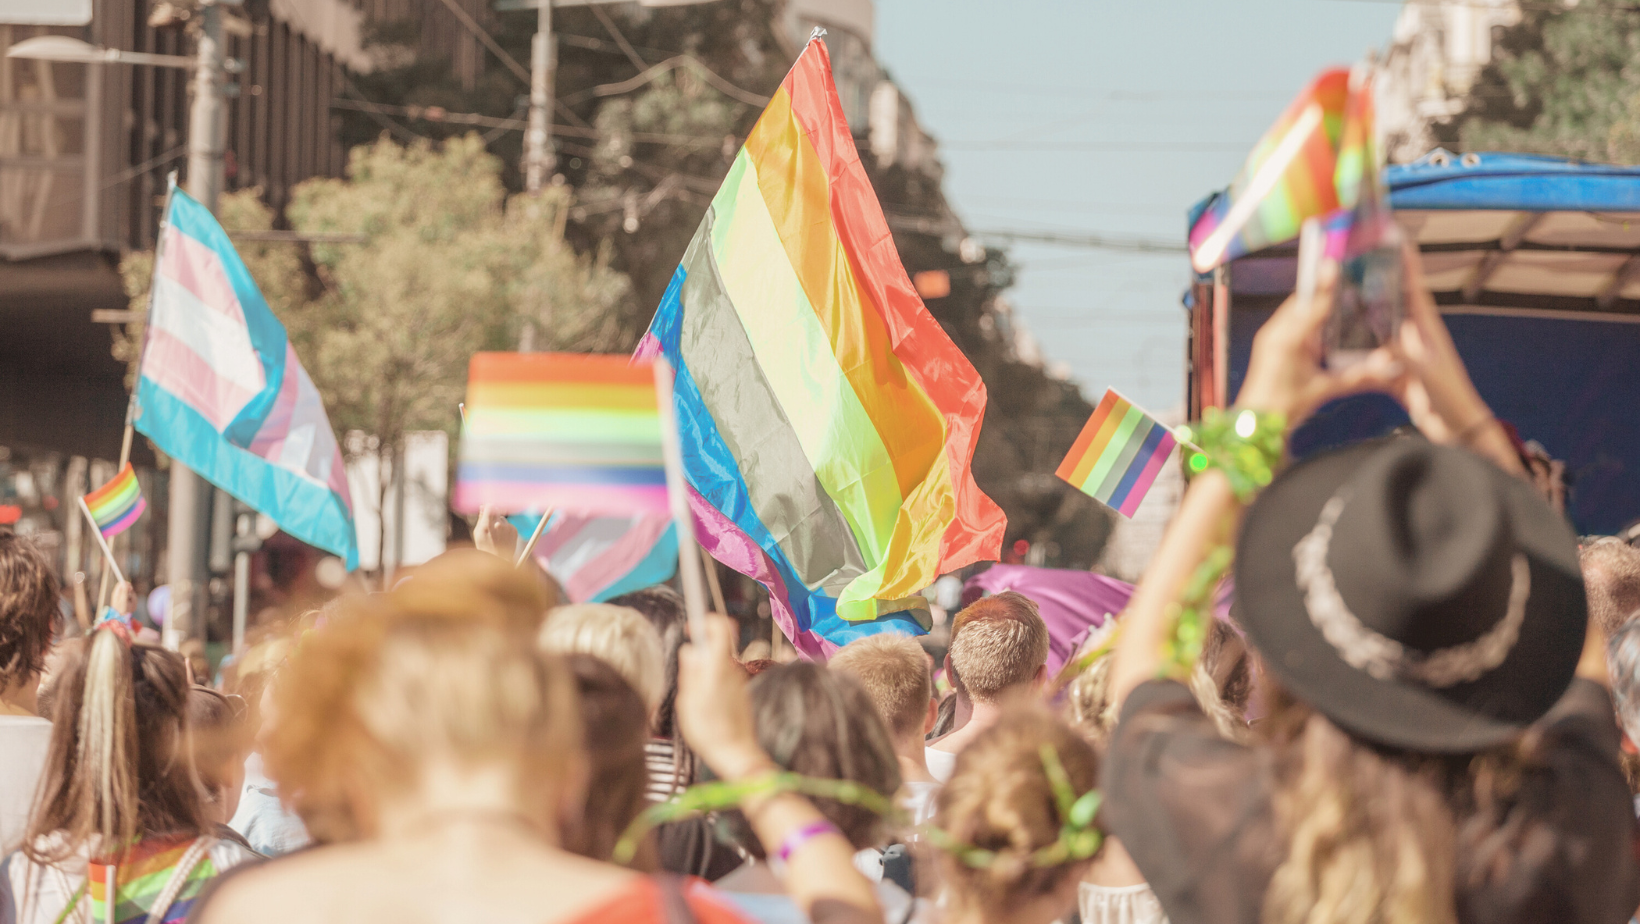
{"type": "Point", "coordinates": [451, 267]}
{"type": "Point", "coordinates": [1563, 82]}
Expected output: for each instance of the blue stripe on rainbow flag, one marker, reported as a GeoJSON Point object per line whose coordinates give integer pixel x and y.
{"type": "Point", "coordinates": [1135, 468]}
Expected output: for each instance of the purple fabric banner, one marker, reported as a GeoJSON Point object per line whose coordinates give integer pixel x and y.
{"type": "Point", "coordinates": [1074, 604]}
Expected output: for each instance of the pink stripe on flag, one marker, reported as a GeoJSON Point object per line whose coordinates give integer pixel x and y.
{"type": "Point", "coordinates": [513, 496]}
{"type": "Point", "coordinates": [175, 367]}
{"type": "Point", "coordinates": [199, 269]}
{"type": "Point", "coordinates": [621, 557]}
{"type": "Point", "coordinates": [1141, 487]}
{"type": "Point", "coordinates": [123, 523]}
{"type": "Point", "coordinates": [724, 541]}
{"type": "Point", "coordinates": [561, 533]}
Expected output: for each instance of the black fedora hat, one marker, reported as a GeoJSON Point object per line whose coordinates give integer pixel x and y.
{"type": "Point", "coordinates": [1414, 594]}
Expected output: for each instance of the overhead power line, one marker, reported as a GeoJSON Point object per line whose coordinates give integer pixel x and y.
{"type": "Point", "coordinates": [1093, 241]}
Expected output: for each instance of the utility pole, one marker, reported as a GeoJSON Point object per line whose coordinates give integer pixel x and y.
{"type": "Point", "coordinates": [190, 500]}
{"type": "Point", "coordinates": [538, 159]}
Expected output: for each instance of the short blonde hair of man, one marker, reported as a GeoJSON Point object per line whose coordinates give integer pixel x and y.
{"type": "Point", "coordinates": [893, 670]}
{"type": "Point", "coordinates": [998, 643]}
{"type": "Point", "coordinates": [618, 635]}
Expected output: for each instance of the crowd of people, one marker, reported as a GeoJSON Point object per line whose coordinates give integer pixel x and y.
{"type": "Point", "coordinates": [1422, 707]}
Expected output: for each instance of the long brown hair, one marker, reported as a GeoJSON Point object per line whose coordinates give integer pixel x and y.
{"type": "Point", "coordinates": [118, 769]}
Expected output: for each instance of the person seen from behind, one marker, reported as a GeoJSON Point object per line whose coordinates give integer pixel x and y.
{"type": "Point", "coordinates": [615, 726]}
{"type": "Point", "coordinates": [435, 756]}
{"type": "Point", "coordinates": [1439, 743]}
{"type": "Point", "coordinates": [819, 723]}
{"type": "Point", "coordinates": [219, 732]}
{"type": "Point", "coordinates": [1001, 809]}
{"type": "Point", "coordinates": [999, 649]}
{"type": "Point", "coordinates": [28, 620]}
{"type": "Point", "coordinates": [894, 672]}
{"type": "Point", "coordinates": [120, 830]}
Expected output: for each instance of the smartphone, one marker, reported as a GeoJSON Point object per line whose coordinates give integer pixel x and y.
{"type": "Point", "coordinates": [1368, 302]}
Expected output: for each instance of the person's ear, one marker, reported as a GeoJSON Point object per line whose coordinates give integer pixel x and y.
{"type": "Point", "coordinates": [1041, 677]}
{"type": "Point", "coordinates": [932, 718]}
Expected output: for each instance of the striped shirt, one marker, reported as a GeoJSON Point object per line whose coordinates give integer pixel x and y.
{"type": "Point", "coordinates": [660, 757]}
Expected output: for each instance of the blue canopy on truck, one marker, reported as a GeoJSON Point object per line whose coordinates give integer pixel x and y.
{"type": "Point", "coordinates": [1536, 264]}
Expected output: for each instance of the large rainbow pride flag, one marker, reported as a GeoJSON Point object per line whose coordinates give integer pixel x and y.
{"type": "Point", "coordinates": [827, 421]}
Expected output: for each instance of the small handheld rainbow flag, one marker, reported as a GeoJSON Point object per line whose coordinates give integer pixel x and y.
{"type": "Point", "coordinates": [1116, 458]}
{"type": "Point", "coordinates": [117, 504]}
{"type": "Point", "coordinates": [561, 431]}
{"type": "Point", "coordinates": [1291, 175]}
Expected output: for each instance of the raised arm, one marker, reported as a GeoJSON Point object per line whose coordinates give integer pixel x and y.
{"type": "Point", "coordinates": [1285, 382]}
{"type": "Point", "coordinates": [715, 716]}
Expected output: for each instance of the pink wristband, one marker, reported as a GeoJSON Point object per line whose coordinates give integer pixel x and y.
{"type": "Point", "coordinates": [802, 836]}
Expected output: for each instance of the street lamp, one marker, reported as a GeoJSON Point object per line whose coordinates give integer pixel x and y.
{"type": "Point", "coordinates": [189, 495]}
{"type": "Point", "coordinates": [73, 51]}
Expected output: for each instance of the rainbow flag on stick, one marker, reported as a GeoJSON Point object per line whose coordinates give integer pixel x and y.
{"type": "Point", "coordinates": [117, 504]}
{"type": "Point", "coordinates": [1118, 455]}
{"type": "Point", "coordinates": [112, 509]}
{"type": "Point", "coordinates": [561, 431]}
{"type": "Point", "coordinates": [1291, 175]}
{"type": "Point", "coordinates": [827, 421]}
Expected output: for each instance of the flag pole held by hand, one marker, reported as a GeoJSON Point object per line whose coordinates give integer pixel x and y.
{"type": "Point", "coordinates": [694, 590]}
{"type": "Point", "coordinates": [535, 537]}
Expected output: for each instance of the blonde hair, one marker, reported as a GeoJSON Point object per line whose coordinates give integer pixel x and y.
{"type": "Point", "coordinates": [1370, 836]}
{"type": "Point", "coordinates": [439, 669]}
{"type": "Point", "coordinates": [893, 670]}
{"type": "Point", "coordinates": [1090, 709]}
{"type": "Point", "coordinates": [998, 643]}
{"type": "Point", "coordinates": [617, 634]}
{"type": "Point", "coordinates": [1000, 799]}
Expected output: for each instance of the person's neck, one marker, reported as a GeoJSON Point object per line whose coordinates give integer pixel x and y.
{"type": "Point", "coordinates": [912, 752]}
{"type": "Point", "coordinates": [453, 798]}
{"type": "Point", "coordinates": [985, 714]}
{"type": "Point", "coordinates": [21, 698]}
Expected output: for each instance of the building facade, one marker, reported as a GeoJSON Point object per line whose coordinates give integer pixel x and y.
{"type": "Point", "coordinates": [1437, 51]}
{"type": "Point", "coordinates": [84, 154]}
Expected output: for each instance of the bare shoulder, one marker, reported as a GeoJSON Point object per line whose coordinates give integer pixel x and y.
{"type": "Point", "coordinates": [279, 890]}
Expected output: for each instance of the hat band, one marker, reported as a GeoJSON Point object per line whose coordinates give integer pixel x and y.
{"type": "Point", "coordinates": [1380, 656]}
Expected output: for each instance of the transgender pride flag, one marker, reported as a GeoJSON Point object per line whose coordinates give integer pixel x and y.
{"type": "Point", "coordinates": [221, 391]}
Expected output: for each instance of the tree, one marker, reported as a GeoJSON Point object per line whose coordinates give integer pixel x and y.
{"type": "Point", "coordinates": [449, 265]}
{"type": "Point", "coordinates": [1563, 82]}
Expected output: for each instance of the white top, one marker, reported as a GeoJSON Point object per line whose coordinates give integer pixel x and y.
{"type": "Point", "coordinates": [24, 740]}
{"type": "Point", "coordinates": [1134, 904]}
{"type": "Point", "coordinates": [778, 908]}
{"type": "Point", "coordinates": [941, 764]}
{"type": "Point", "coordinates": [917, 799]}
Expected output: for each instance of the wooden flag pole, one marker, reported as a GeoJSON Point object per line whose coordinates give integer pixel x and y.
{"type": "Point", "coordinates": [712, 584]}
{"type": "Point", "coordinates": [535, 537]}
{"type": "Point", "coordinates": [694, 593]}
{"type": "Point", "coordinates": [101, 540]}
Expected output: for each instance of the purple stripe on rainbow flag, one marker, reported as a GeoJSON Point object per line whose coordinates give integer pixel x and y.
{"type": "Point", "coordinates": [1118, 454]}
{"type": "Point", "coordinates": [126, 519]}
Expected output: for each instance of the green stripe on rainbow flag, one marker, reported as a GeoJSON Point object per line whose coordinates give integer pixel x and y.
{"type": "Point", "coordinates": [1118, 454]}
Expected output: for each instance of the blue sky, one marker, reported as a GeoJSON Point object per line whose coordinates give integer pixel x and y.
{"type": "Point", "coordinates": [1103, 117]}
